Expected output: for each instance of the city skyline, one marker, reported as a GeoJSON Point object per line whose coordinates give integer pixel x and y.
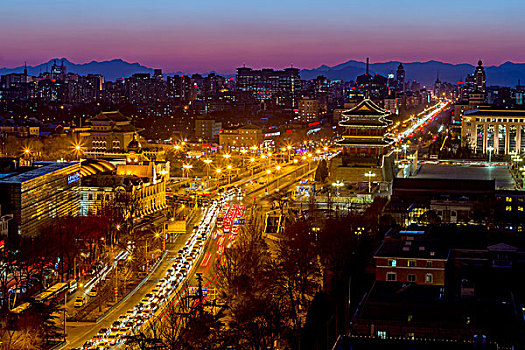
{"type": "Point", "coordinates": [185, 37]}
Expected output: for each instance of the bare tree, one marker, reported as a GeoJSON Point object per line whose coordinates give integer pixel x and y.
{"type": "Point", "coordinates": [251, 289]}
{"type": "Point", "coordinates": [300, 269]}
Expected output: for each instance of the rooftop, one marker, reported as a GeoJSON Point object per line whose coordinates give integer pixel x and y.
{"type": "Point", "coordinates": [500, 174]}
{"type": "Point", "coordinates": [366, 107]}
{"type": "Point", "coordinates": [115, 116]}
{"type": "Point", "coordinates": [413, 248]}
{"type": "Point", "coordinates": [495, 113]}
{"type": "Point", "coordinates": [38, 169]}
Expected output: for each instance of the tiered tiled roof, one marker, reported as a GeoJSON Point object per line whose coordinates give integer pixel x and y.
{"type": "Point", "coordinates": [365, 116]}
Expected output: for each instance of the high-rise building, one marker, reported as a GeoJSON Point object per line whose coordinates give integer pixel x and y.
{"type": "Point", "coordinates": [400, 78]}
{"type": "Point", "coordinates": [475, 86]}
{"type": "Point", "coordinates": [480, 79]}
{"type": "Point", "coordinates": [277, 88]}
{"type": "Point", "coordinates": [207, 129]}
{"type": "Point", "coordinates": [308, 110]}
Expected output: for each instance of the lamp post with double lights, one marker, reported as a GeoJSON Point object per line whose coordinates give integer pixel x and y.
{"type": "Point", "coordinates": [337, 185]}
{"type": "Point", "coordinates": [405, 148]}
{"type": "Point", "coordinates": [370, 175]}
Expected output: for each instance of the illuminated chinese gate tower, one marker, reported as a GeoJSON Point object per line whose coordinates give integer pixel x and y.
{"type": "Point", "coordinates": [365, 139]}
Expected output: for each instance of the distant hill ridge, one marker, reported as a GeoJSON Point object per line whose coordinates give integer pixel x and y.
{"type": "Point", "coordinates": [506, 74]}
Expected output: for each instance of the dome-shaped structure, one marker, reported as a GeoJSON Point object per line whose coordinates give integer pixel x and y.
{"type": "Point", "coordinates": [134, 145]}
{"type": "Point", "coordinates": [95, 166]}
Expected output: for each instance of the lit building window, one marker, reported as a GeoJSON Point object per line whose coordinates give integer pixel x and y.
{"type": "Point", "coordinates": [429, 278]}
{"type": "Point", "coordinates": [391, 276]}
{"type": "Point", "coordinates": [392, 262]}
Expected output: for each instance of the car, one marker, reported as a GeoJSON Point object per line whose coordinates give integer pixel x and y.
{"type": "Point", "coordinates": [93, 292]}
{"type": "Point", "coordinates": [97, 337]}
{"type": "Point", "coordinates": [112, 338]}
{"type": "Point", "coordinates": [88, 344]}
{"type": "Point", "coordinates": [131, 312]}
{"type": "Point", "coordinates": [102, 331]}
{"type": "Point", "coordinates": [80, 301]}
{"type": "Point", "coordinates": [123, 331]}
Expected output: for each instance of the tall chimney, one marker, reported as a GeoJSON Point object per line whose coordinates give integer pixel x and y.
{"type": "Point", "coordinates": [367, 59]}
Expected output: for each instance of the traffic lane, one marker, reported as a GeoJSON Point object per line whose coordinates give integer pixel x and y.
{"type": "Point", "coordinates": [208, 271]}
{"type": "Point", "coordinates": [432, 126]}
{"type": "Point", "coordinates": [80, 333]}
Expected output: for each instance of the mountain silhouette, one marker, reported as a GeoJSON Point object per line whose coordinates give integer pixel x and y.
{"type": "Point", "coordinates": [426, 73]}
{"type": "Point", "coordinates": [506, 74]}
{"type": "Point", "coordinates": [111, 70]}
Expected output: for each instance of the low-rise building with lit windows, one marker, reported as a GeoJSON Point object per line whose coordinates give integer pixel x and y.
{"type": "Point", "coordinates": [108, 132]}
{"type": "Point", "coordinates": [412, 260]}
{"type": "Point", "coordinates": [242, 137]}
{"type": "Point", "coordinates": [146, 184]}
{"type": "Point", "coordinates": [500, 131]}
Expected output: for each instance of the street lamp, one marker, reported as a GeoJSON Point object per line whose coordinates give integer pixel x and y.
{"type": "Point", "coordinates": [405, 147]}
{"type": "Point", "coordinates": [207, 162]}
{"type": "Point", "coordinates": [252, 160]}
{"type": "Point", "coordinates": [337, 184]}
{"type": "Point", "coordinates": [268, 172]}
{"type": "Point", "coordinates": [370, 175]}
{"type": "Point", "coordinates": [218, 171]}
{"type": "Point", "coordinates": [229, 167]}
{"type": "Point", "coordinates": [490, 149]}
{"type": "Point", "coordinates": [243, 151]}
{"type": "Point", "coordinates": [187, 167]}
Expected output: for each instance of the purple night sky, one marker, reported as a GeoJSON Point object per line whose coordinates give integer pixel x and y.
{"type": "Point", "coordinates": [206, 35]}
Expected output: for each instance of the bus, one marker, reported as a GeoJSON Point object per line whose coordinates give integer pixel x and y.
{"type": "Point", "coordinates": [21, 308]}
{"type": "Point", "coordinates": [52, 293]}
